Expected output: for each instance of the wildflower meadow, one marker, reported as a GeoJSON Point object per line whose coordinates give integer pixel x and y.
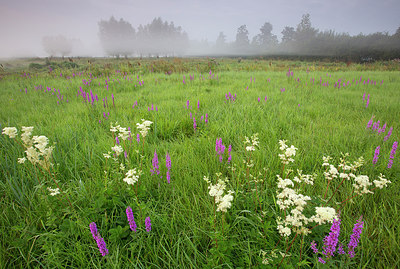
{"type": "Point", "coordinates": [199, 163]}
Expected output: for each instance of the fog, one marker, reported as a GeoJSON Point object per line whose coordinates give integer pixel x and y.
{"type": "Point", "coordinates": [25, 24]}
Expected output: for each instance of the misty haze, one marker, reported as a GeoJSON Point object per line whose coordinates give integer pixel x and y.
{"type": "Point", "coordinates": [125, 28]}
{"type": "Point", "coordinates": [199, 134]}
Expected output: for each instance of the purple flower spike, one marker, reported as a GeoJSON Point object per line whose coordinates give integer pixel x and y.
{"type": "Point", "coordinates": [314, 247]}
{"type": "Point", "coordinates": [131, 219]}
{"type": "Point", "coordinates": [148, 224]}
{"type": "Point", "coordinates": [102, 246]}
{"type": "Point", "coordinates": [93, 230]}
{"type": "Point", "coordinates": [376, 155]}
{"type": "Point", "coordinates": [355, 237]}
{"type": "Point", "coordinates": [332, 239]}
{"type": "Point", "coordinates": [155, 164]}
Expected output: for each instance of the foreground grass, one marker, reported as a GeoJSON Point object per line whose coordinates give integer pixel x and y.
{"type": "Point", "coordinates": [38, 230]}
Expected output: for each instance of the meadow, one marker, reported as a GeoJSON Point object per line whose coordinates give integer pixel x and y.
{"type": "Point", "coordinates": [195, 148]}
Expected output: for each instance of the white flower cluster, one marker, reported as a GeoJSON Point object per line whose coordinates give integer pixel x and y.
{"type": "Point", "coordinates": [144, 127]}
{"type": "Point", "coordinates": [287, 152]}
{"type": "Point", "coordinates": [361, 184]}
{"type": "Point", "coordinates": [324, 215]}
{"type": "Point", "coordinates": [307, 179]}
{"type": "Point", "coordinates": [117, 149]}
{"type": "Point", "coordinates": [217, 191]}
{"type": "Point", "coordinates": [346, 168]}
{"type": "Point", "coordinates": [290, 199]}
{"type": "Point", "coordinates": [37, 150]}
{"type": "Point", "coordinates": [251, 143]}
{"type": "Point", "coordinates": [53, 192]}
{"type": "Point", "coordinates": [12, 132]}
{"type": "Point", "coordinates": [26, 136]}
{"type": "Point", "coordinates": [382, 182]}
{"type": "Point", "coordinates": [132, 176]}
{"type": "Point", "coordinates": [124, 134]}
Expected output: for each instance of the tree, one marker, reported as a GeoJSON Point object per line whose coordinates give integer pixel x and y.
{"type": "Point", "coordinates": [160, 37]}
{"type": "Point", "coordinates": [265, 39]}
{"type": "Point", "coordinates": [304, 31]}
{"type": "Point", "coordinates": [221, 41]}
{"type": "Point", "coordinates": [288, 34]}
{"type": "Point", "coordinates": [57, 45]}
{"type": "Point", "coordinates": [117, 37]}
{"type": "Point", "coordinates": [242, 38]}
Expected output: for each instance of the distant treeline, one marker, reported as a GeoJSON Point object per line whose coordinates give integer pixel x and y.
{"type": "Point", "coordinates": [160, 38]}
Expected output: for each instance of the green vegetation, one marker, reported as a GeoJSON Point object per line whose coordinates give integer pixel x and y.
{"type": "Point", "coordinates": [305, 108]}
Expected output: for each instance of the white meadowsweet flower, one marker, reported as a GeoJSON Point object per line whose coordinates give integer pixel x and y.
{"type": "Point", "coordinates": [53, 192]}
{"type": "Point", "coordinates": [117, 149]}
{"type": "Point", "coordinates": [26, 135]}
{"type": "Point", "coordinates": [32, 155]}
{"type": "Point", "coordinates": [250, 148]}
{"type": "Point", "coordinates": [10, 131]}
{"type": "Point", "coordinates": [122, 167]}
{"type": "Point", "coordinates": [21, 160]}
{"type": "Point", "coordinates": [382, 182]}
{"type": "Point", "coordinates": [144, 127]}
{"type": "Point", "coordinates": [107, 155]}
{"type": "Point", "coordinates": [114, 128]}
{"type": "Point", "coordinates": [324, 215]}
{"type": "Point", "coordinates": [132, 176]}
{"type": "Point", "coordinates": [361, 184]}
{"type": "Point", "coordinates": [225, 202]}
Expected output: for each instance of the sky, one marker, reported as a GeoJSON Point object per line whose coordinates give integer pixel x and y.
{"type": "Point", "coordinates": [23, 23]}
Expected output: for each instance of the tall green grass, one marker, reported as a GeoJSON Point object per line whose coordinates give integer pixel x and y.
{"type": "Point", "coordinates": [38, 230]}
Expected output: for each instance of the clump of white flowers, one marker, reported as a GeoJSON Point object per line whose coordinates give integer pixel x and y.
{"type": "Point", "coordinates": [120, 132]}
{"type": "Point", "coordinates": [37, 149]}
{"type": "Point", "coordinates": [132, 176]}
{"type": "Point", "coordinates": [287, 152]}
{"type": "Point", "coordinates": [292, 202]}
{"type": "Point", "coordinates": [117, 149]}
{"type": "Point", "coordinates": [382, 182]}
{"type": "Point", "coordinates": [347, 171]}
{"type": "Point", "coordinates": [144, 127]}
{"type": "Point", "coordinates": [222, 200]}
{"type": "Point", "coordinates": [12, 132]}
{"type": "Point", "coordinates": [251, 143]}
{"type": "Point", "coordinates": [53, 192]}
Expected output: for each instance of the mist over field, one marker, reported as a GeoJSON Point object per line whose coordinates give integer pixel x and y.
{"type": "Point", "coordinates": [177, 28]}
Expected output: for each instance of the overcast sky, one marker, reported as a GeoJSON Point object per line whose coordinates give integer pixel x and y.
{"type": "Point", "coordinates": [23, 23]}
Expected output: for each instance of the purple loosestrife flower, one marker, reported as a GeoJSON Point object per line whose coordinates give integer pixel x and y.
{"type": "Point", "coordinates": [102, 246]}
{"type": "Point", "coordinates": [117, 140]}
{"type": "Point", "coordinates": [355, 237]}
{"type": "Point", "coordinates": [198, 104]}
{"type": "Point", "coordinates": [376, 155]}
{"type": "Point", "coordinates": [138, 138]}
{"type": "Point", "coordinates": [206, 119]}
{"type": "Point", "coordinates": [148, 224]}
{"type": "Point", "coordinates": [321, 260]}
{"type": "Point", "coordinates": [388, 134]}
{"type": "Point", "coordinates": [392, 152]}
{"type": "Point", "coordinates": [131, 219]}
{"type": "Point", "coordinates": [187, 104]}
{"type": "Point", "coordinates": [194, 123]}
{"type": "Point", "coordinates": [332, 239]}
{"type": "Point", "coordinates": [93, 230]}
{"type": "Point", "coordinates": [229, 153]}
{"type": "Point", "coordinates": [366, 106]}
{"type": "Point", "coordinates": [340, 249]}
{"type": "Point", "coordinates": [155, 164]}
{"type": "Point", "coordinates": [168, 165]}
{"type": "Point", "coordinates": [371, 121]}
{"type": "Point", "coordinates": [112, 96]}
{"type": "Point", "coordinates": [314, 247]}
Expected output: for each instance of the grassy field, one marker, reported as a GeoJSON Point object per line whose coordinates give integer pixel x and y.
{"type": "Point", "coordinates": [323, 109]}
